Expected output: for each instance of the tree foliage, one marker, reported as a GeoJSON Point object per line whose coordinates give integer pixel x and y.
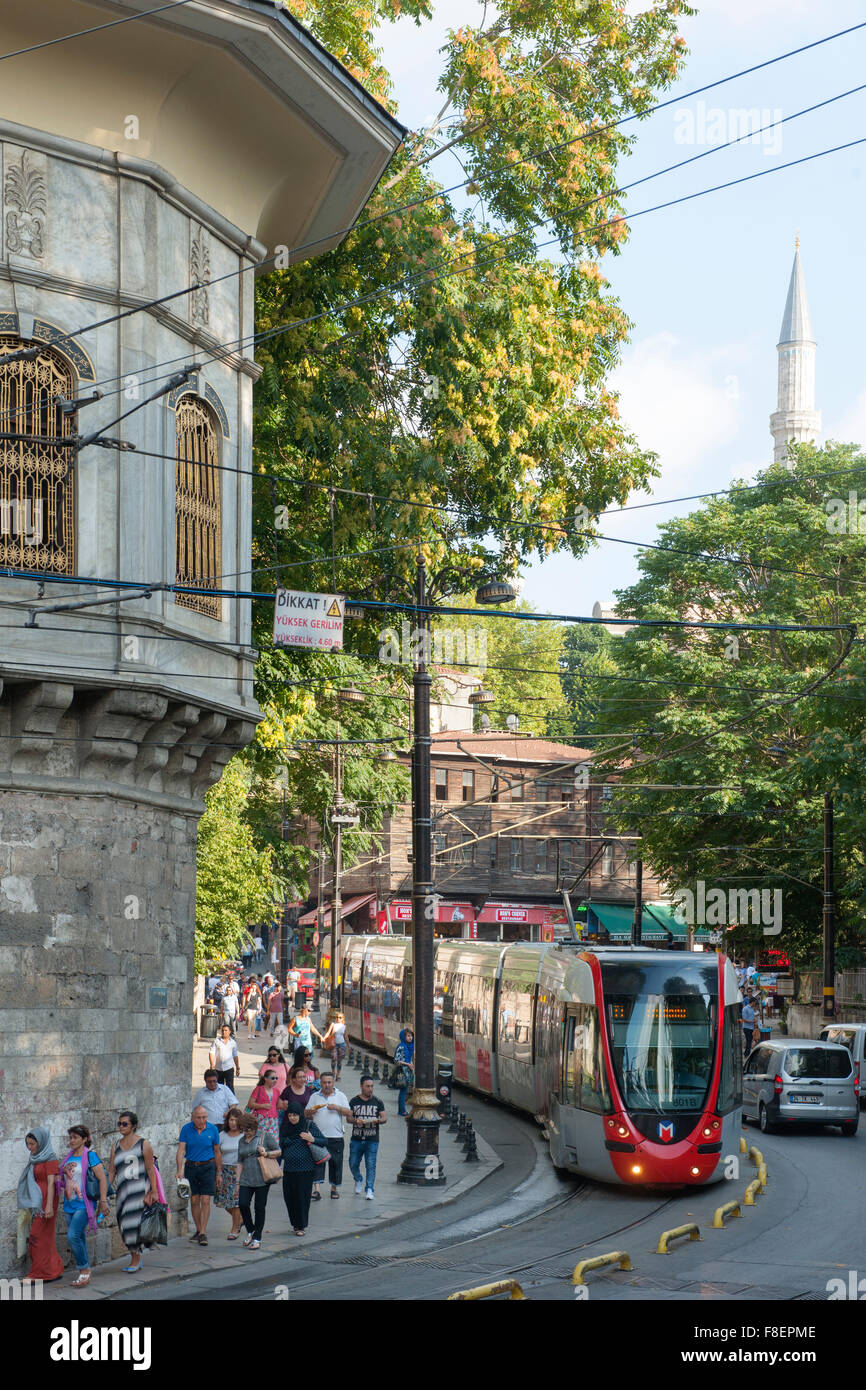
{"type": "Point", "coordinates": [464, 403]}
{"type": "Point", "coordinates": [235, 884]}
{"type": "Point", "coordinates": [753, 713]}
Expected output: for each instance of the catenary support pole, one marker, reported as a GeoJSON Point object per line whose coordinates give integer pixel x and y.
{"type": "Point", "coordinates": [829, 913]}
{"type": "Point", "coordinates": [422, 1164]}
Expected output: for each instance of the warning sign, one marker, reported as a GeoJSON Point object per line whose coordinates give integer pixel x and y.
{"type": "Point", "coordinates": [309, 620]}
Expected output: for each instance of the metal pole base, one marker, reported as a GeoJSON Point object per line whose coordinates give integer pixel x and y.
{"type": "Point", "coordinates": [422, 1164]}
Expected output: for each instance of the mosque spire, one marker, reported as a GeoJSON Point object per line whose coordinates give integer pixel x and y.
{"type": "Point", "coordinates": [795, 419]}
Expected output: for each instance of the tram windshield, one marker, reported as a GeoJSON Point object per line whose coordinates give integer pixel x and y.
{"type": "Point", "coordinates": [661, 1018]}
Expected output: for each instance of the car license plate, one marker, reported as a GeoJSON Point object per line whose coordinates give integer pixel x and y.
{"type": "Point", "coordinates": [804, 1100]}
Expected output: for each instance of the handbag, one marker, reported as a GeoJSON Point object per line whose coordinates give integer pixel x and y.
{"type": "Point", "coordinates": [154, 1225]}
{"type": "Point", "coordinates": [270, 1170]}
{"type": "Point", "coordinates": [320, 1153]}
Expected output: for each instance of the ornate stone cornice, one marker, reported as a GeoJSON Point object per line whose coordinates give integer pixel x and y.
{"type": "Point", "coordinates": [140, 745]}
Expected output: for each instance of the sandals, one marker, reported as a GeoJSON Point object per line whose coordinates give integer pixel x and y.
{"type": "Point", "coordinates": [83, 1279]}
{"type": "Point", "coordinates": [248, 1240]}
{"type": "Point", "coordinates": [335, 1196]}
{"type": "Point", "coordinates": [132, 1269]}
{"type": "Point", "coordinates": [233, 1235]}
{"type": "Point", "coordinates": [300, 1233]}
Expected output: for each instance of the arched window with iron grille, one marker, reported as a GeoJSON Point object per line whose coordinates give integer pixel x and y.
{"type": "Point", "coordinates": [37, 499]}
{"type": "Point", "coordinates": [198, 507]}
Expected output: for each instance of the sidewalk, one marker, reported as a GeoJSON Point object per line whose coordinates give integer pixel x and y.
{"type": "Point", "coordinates": [350, 1216]}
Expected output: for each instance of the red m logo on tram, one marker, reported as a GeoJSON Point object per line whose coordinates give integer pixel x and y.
{"type": "Point", "coordinates": [666, 1132]}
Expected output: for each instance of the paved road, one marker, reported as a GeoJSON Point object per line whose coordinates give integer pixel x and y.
{"type": "Point", "coordinates": [525, 1222]}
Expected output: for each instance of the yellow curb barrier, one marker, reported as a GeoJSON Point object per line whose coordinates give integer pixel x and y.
{"type": "Point", "coordinates": [744, 1148]}
{"type": "Point", "coordinates": [509, 1286]}
{"type": "Point", "coordinates": [756, 1156]}
{"type": "Point", "coordinates": [690, 1229]}
{"type": "Point", "coordinates": [752, 1192]}
{"type": "Point", "coordinates": [762, 1175]}
{"type": "Point", "coordinates": [729, 1209]}
{"type": "Point", "coordinates": [616, 1257]}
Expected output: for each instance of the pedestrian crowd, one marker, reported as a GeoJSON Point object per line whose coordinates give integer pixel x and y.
{"type": "Point", "coordinates": [291, 1132]}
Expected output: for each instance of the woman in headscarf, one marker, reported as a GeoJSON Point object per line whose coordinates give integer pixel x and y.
{"type": "Point", "coordinates": [404, 1057]}
{"type": "Point", "coordinates": [37, 1208]}
{"type": "Point", "coordinates": [297, 1133]}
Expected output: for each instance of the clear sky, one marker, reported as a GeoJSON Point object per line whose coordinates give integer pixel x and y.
{"type": "Point", "coordinates": [704, 284]}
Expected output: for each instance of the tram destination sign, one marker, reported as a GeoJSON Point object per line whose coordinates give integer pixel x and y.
{"type": "Point", "coordinates": [314, 621]}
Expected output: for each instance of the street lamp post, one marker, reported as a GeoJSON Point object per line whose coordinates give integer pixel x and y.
{"type": "Point", "coordinates": [829, 1007]}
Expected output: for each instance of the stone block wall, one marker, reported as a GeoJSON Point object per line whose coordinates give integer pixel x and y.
{"type": "Point", "coordinates": [97, 908]}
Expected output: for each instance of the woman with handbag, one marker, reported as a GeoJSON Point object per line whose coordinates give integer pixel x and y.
{"type": "Point", "coordinates": [304, 1148]}
{"type": "Point", "coordinates": [263, 1104]}
{"type": "Point", "coordinates": [227, 1187]}
{"type": "Point", "coordinates": [404, 1057]}
{"type": "Point", "coordinates": [81, 1171]}
{"type": "Point", "coordinates": [255, 1172]}
{"type": "Point", "coordinates": [334, 1042]}
{"type": "Point", "coordinates": [132, 1170]}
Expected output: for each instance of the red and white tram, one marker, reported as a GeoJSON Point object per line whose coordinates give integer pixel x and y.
{"type": "Point", "coordinates": [630, 1058]}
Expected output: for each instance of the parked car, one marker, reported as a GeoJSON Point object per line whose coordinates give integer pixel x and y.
{"type": "Point", "coordinates": [801, 1081]}
{"type": "Point", "coordinates": [307, 983]}
{"type": "Point", "coordinates": [852, 1036]}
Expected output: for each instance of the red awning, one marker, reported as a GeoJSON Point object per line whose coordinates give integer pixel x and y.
{"type": "Point", "coordinates": [347, 907]}
{"type": "Point", "coordinates": [494, 914]}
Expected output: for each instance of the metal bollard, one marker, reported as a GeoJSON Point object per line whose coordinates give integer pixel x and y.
{"type": "Point", "coordinates": [455, 1114]}
{"type": "Point", "coordinates": [616, 1257]}
{"type": "Point", "coordinates": [445, 1112]}
{"type": "Point", "coordinates": [690, 1229]}
{"type": "Point", "coordinates": [472, 1149]}
{"type": "Point", "coordinates": [366, 1064]}
{"type": "Point", "coordinates": [386, 1072]}
{"type": "Point", "coordinates": [376, 1073]}
{"type": "Point", "coordinates": [468, 1135]}
{"type": "Point", "coordinates": [729, 1209]}
{"type": "Point", "coordinates": [461, 1127]}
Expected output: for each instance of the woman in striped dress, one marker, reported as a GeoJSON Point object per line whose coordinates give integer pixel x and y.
{"type": "Point", "coordinates": [132, 1170]}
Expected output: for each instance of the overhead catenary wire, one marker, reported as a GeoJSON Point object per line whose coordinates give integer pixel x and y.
{"type": "Point", "coordinates": [405, 207]}
{"type": "Point", "coordinates": [431, 276]}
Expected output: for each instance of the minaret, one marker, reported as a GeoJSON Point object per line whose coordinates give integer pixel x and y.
{"type": "Point", "coordinates": [795, 420]}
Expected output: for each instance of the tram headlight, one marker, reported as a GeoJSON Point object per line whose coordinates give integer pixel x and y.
{"type": "Point", "coordinates": [622, 1129]}
{"type": "Point", "coordinates": [636, 1169]}
{"type": "Point", "coordinates": [696, 1172]}
{"type": "Point", "coordinates": [707, 1132]}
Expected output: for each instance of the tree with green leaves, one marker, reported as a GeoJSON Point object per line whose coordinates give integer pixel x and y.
{"type": "Point", "coordinates": [235, 885]}
{"type": "Point", "coordinates": [771, 714]}
{"type": "Point", "coordinates": [438, 383]}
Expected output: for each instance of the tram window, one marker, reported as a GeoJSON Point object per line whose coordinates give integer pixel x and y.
{"type": "Point", "coordinates": [568, 1079]}
{"type": "Point", "coordinates": [507, 1016]}
{"type": "Point", "coordinates": [731, 1078]}
{"type": "Point", "coordinates": [486, 987]}
{"type": "Point", "coordinates": [522, 1016]}
{"type": "Point", "coordinates": [351, 985]}
{"type": "Point", "coordinates": [444, 1023]}
{"type": "Point", "coordinates": [593, 1086]}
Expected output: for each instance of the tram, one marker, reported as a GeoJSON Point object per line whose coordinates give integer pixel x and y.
{"type": "Point", "coordinates": [629, 1058]}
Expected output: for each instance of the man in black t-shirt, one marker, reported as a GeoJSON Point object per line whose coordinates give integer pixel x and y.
{"type": "Point", "coordinates": [368, 1115]}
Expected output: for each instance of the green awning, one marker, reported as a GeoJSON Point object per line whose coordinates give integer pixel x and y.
{"type": "Point", "coordinates": [616, 920]}
{"type": "Point", "coordinates": [657, 920]}
{"type": "Point", "coordinates": [665, 916]}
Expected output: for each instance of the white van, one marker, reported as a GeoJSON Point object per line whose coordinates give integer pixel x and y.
{"type": "Point", "coordinates": [852, 1036]}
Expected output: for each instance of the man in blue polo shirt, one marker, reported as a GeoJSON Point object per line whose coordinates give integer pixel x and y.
{"type": "Point", "coordinates": [200, 1161]}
